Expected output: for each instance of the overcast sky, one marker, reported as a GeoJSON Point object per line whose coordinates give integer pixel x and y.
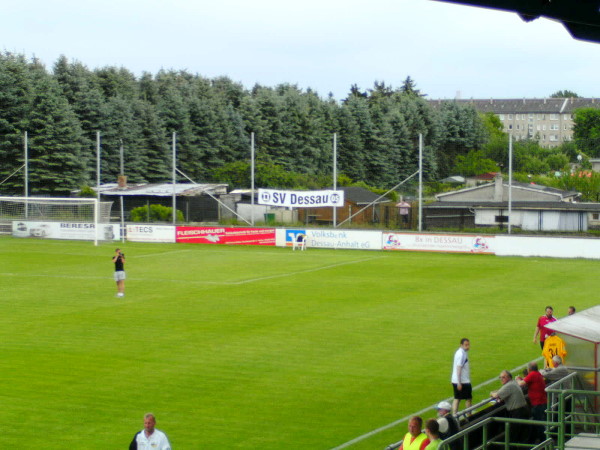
{"type": "Point", "coordinates": [326, 45]}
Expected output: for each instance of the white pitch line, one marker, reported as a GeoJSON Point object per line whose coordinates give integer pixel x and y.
{"type": "Point", "coordinates": [316, 269]}
{"type": "Point", "coordinates": [170, 280]}
{"type": "Point", "coordinates": [42, 275]}
{"type": "Point", "coordinates": [418, 413]}
{"type": "Point", "coordinates": [159, 253]}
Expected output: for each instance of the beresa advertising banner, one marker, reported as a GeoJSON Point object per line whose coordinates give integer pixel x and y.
{"type": "Point", "coordinates": [300, 199]}
{"type": "Point", "coordinates": [66, 230]}
{"type": "Point", "coordinates": [221, 235]}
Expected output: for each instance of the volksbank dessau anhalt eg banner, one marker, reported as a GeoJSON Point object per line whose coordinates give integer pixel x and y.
{"type": "Point", "coordinates": [300, 199]}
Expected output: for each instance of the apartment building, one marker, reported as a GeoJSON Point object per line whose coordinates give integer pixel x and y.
{"type": "Point", "coordinates": [548, 120]}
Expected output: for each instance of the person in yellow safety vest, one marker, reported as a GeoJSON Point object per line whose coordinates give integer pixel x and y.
{"type": "Point", "coordinates": [432, 430]}
{"type": "Point", "coordinates": [415, 439]}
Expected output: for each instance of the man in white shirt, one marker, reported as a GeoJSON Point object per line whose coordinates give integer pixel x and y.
{"type": "Point", "coordinates": [461, 376]}
{"type": "Point", "coordinates": [150, 438]}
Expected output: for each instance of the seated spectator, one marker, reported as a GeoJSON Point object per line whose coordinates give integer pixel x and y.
{"type": "Point", "coordinates": [447, 422]}
{"type": "Point", "coordinates": [552, 375]}
{"type": "Point", "coordinates": [415, 439]}
{"type": "Point", "coordinates": [432, 430]}
{"type": "Point", "coordinates": [516, 406]}
{"type": "Point", "coordinates": [536, 390]}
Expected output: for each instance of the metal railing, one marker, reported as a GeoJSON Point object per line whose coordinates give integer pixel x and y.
{"type": "Point", "coordinates": [572, 409]}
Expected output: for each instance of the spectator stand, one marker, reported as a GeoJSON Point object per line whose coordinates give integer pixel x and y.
{"type": "Point", "coordinates": [573, 420]}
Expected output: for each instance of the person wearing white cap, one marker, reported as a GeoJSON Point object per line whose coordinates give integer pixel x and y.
{"type": "Point", "coordinates": [448, 423]}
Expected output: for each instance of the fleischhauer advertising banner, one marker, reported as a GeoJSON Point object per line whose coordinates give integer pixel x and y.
{"type": "Point", "coordinates": [448, 243]}
{"type": "Point", "coordinates": [300, 199]}
{"type": "Point", "coordinates": [222, 235]}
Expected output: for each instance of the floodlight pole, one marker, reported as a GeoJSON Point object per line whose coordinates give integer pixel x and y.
{"type": "Point", "coordinates": [252, 178]}
{"type": "Point", "coordinates": [174, 199]}
{"type": "Point", "coordinates": [510, 152]}
{"type": "Point", "coordinates": [98, 165]}
{"type": "Point", "coordinates": [420, 182]}
{"type": "Point", "coordinates": [97, 205]}
{"type": "Point", "coordinates": [334, 176]}
{"type": "Point", "coordinates": [26, 172]}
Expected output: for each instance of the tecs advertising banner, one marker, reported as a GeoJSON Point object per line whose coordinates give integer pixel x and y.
{"type": "Point", "coordinates": [150, 233]}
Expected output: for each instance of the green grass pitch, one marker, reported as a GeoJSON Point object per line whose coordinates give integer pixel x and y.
{"type": "Point", "coordinates": [254, 347]}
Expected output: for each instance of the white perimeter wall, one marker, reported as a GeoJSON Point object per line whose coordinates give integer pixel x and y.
{"type": "Point", "coordinates": [548, 246]}
{"type": "Point", "coordinates": [552, 247]}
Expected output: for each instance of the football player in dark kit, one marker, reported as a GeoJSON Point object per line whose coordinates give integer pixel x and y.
{"type": "Point", "coordinates": [119, 260]}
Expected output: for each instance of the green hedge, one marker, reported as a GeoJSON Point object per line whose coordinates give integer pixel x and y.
{"type": "Point", "coordinates": [154, 213]}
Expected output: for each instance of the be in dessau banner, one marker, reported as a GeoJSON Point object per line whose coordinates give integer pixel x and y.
{"type": "Point", "coordinates": [300, 199]}
{"type": "Point", "coordinates": [447, 243]}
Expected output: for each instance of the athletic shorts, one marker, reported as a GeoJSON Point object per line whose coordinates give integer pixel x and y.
{"type": "Point", "coordinates": [119, 275]}
{"type": "Point", "coordinates": [465, 394]}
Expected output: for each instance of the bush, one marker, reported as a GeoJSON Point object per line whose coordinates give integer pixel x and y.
{"type": "Point", "coordinates": [155, 213]}
{"type": "Point", "coordinates": [87, 192]}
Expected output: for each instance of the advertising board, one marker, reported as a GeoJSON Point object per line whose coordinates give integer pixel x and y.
{"type": "Point", "coordinates": [222, 235]}
{"type": "Point", "coordinates": [65, 230]}
{"type": "Point", "coordinates": [291, 235]}
{"type": "Point", "coordinates": [358, 240]}
{"type": "Point", "coordinates": [448, 243]}
{"type": "Point", "coordinates": [150, 233]}
{"type": "Point", "coordinates": [300, 199]}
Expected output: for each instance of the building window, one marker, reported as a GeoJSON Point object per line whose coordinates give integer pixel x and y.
{"type": "Point", "coordinates": [567, 116]}
{"type": "Point", "coordinates": [531, 117]}
{"type": "Point", "coordinates": [553, 138]}
{"type": "Point", "coordinates": [554, 127]}
{"type": "Point", "coordinates": [522, 116]}
{"type": "Point", "coordinates": [539, 127]}
{"type": "Point", "coordinates": [518, 127]}
{"type": "Point", "coordinates": [501, 116]}
{"type": "Point", "coordinates": [595, 216]}
{"type": "Point", "coordinates": [553, 116]}
{"type": "Point", "coordinates": [566, 127]}
{"type": "Point", "coordinates": [510, 127]}
{"type": "Point", "coordinates": [539, 117]}
{"type": "Point", "coordinates": [544, 127]}
{"type": "Point", "coordinates": [510, 117]}
{"type": "Point", "coordinates": [517, 116]}
{"type": "Point", "coordinates": [543, 137]}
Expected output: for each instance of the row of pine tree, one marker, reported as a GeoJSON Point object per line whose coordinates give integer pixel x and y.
{"type": "Point", "coordinates": [63, 109]}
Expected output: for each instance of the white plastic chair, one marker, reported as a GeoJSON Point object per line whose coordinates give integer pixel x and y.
{"type": "Point", "coordinates": [299, 242]}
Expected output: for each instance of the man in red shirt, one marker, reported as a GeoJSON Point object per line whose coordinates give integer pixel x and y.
{"type": "Point", "coordinates": [541, 326]}
{"type": "Point", "coordinates": [536, 390]}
